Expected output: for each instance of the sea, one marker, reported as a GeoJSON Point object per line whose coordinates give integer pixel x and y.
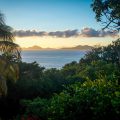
{"type": "Point", "coordinates": [52, 58]}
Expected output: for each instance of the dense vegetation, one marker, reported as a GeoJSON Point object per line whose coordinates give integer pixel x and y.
{"type": "Point", "coordinates": [85, 90]}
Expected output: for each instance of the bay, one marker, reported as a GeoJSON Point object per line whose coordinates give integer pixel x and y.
{"type": "Point", "coordinates": [52, 58]}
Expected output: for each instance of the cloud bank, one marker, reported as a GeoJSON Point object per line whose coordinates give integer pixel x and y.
{"type": "Point", "coordinates": [90, 32]}
{"type": "Point", "coordinates": [85, 32]}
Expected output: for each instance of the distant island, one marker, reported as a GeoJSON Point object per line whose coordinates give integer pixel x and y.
{"type": "Point", "coordinates": [79, 47]}
{"type": "Point", "coordinates": [36, 48]}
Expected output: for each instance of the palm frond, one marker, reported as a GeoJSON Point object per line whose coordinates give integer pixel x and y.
{"type": "Point", "coordinates": [9, 55]}
{"type": "Point", "coordinates": [8, 70]}
{"type": "Point", "coordinates": [5, 33]}
{"type": "Point", "coordinates": [2, 19]}
{"type": "Point", "coordinates": [10, 50]}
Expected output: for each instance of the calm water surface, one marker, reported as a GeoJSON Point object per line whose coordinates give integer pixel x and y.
{"type": "Point", "coordinates": [52, 58]}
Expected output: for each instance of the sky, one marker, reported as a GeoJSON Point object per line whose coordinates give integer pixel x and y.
{"type": "Point", "coordinates": [54, 23]}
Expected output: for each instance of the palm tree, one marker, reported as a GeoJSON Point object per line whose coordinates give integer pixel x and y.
{"type": "Point", "coordinates": [7, 45]}
{"type": "Point", "coordinates": [9, 55]}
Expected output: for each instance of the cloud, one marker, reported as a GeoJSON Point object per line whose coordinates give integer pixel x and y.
{"type": "Point", "coordinates": [67, 33]}
{"type": "Point", "coordinates": [108, 33]}
{"type": "Point", "coordinates": [85, 32]}
{"type": "Point", "coordinates": [90, 32]}
{"type": "Point", "coordinates": [23, 33]}
{"type": "Point", "coordinates": [27, 33]}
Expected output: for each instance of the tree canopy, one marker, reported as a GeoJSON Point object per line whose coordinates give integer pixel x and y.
{"type": "Point", "coordinates": [107, 12]}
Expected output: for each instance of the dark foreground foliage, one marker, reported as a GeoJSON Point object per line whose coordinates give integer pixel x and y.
{"type": "Point", "coordinates": [88, 90]}
{"type": "Point", "coordinates": [94, 100]}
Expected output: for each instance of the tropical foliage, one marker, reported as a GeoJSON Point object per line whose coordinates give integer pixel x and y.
{"type": "Point", "coordinates": [91, 91]}
{"type": "Point", "coordinates": [9, 54]}
{"type": "Point", "coordinates": [94, 100]}
{"type": "Point", "coordinates": [87, 89]}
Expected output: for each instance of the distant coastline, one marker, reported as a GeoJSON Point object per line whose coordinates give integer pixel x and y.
{"type": "Point", "coordinates": [79, 47]}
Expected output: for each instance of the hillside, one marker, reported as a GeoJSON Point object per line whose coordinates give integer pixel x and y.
{"type": "Point", "coordinates": [79, 47]}
{"type": "Point", "coordinates": [33, 48]}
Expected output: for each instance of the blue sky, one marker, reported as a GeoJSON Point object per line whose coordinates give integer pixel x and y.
{"type": "Point", "coordinates": [63, 16]}
{"type": "Point", "coordinates": [49, 15]}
